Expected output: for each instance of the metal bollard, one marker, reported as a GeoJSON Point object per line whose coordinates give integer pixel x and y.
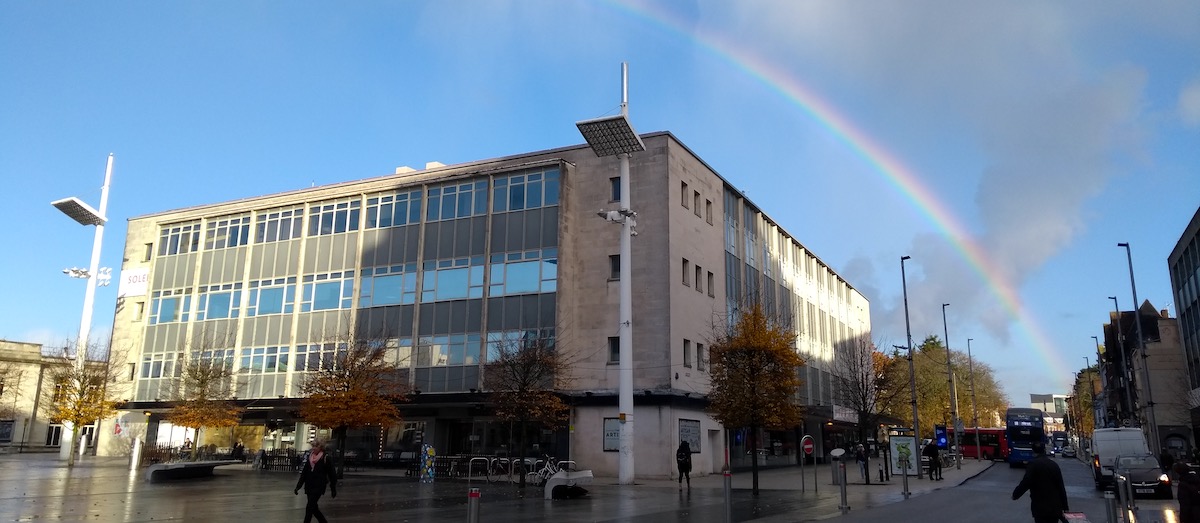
{"type": "Point", "coordinates": [728, 497]}
{"type": "Point", "coordinates": [881, 480]}
{"type": "Point", "coordinates": [904, 476]}
{"type": "Point", "coordinates": [473, 505]}
{"type": "Point", "coordinates": [841, 467]}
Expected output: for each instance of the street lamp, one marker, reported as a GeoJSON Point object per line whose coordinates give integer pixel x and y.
{"type": "Point", "coordinates": [85, 215]}
{"type": "Point", "coordinates": [912, 376]}
{"type": "Point", "coordinates": [1101, 415]}
{"type": "Point", "coordinates": [974, 409]}
{"type": "Point", "coordinates": [614, 136]}
{"type": "Point", "coordinates": [1126, 376]}
{"type": "Point", "coordinates": [953, 393]}
{"type": "Point", "coordinates": [1137, 319]}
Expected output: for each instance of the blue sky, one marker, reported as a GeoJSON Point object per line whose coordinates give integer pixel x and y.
{"type": "Point", "coordinates": [1049, 130]}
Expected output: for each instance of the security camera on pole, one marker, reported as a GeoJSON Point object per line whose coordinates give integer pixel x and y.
{"type": "Point", "coordinates": [614, 136]}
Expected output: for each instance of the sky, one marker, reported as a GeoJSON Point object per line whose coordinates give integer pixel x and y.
{"type": "Point", "coordinates": [1007, 147]}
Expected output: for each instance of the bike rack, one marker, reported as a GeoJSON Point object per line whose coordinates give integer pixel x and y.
{"type": "Point", "coordinates": [471, 467]}
{"type": "Point", "coordinates": [562, 465]}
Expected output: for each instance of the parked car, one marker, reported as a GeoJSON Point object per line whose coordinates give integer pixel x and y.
{"type": "Point", "coordinates": [1068, 451]}
{"type": "Point", "coordinates": [1145, 476]}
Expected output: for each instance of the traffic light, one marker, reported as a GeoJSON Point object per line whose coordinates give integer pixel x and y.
{"type": "Point", "coordinates": [939, 435]}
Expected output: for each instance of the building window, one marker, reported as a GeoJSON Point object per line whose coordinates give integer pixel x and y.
{"type": "Point", "coordinates": [139, 311]}
{"type": "Point", "coordinates": [390, 210]}
{"type": "Point", "coordinates": [275, 296]}
{"type": "Point", "coordinates": [278, 225]}
{"type": "Point", "coordinates": [696, 202]}
{"type": "Point", "coordinates": [687, 268]}
{"type": "Point", "coordinates": [700, 356]}
{"type": "Point", "coordinates": [393, 285]}
{"type": "Point", "coordinates": [227, 232]}
{"type": "Point", "coordinates": [614, 266]}
{"type": "Point", "coordinates": [170, 306]}
{"type": "Point", "coordinates": [687, 353]}
{"type": "Point", "coordinates": [329, 291]}
{"type": "Point", "coordinates": [710, 284]}
{"type": "Point", "coordinates": [264, 360]}
{"type": "Point", "coordinates": [159, 366]}
{"type": "Point", "coordinates": [455, 279]}
{"type": "Point", "coordinates": [525, 191]}
{"type": "Point", "coordinates": [179, 239]}
{"type": "Point", "coordinates": [615, 189]}
{"type": "Point", "coordinates": [614, 349]}
{"type": "Point", "coordinates": [149, 252]}
{"type": "Point", "coordinates": [513, 273]}
{"type": "Point", "coordinates": [219, 301]}
{"type": "Point", "coordinates": [699, 283]}
{"type": "Point", "coordinates": [683, 194]}
{"type": "Point", "coordinates": [464, 200]}
{"type": "Point", "coordinates": [333, 217]}
{"type": "Point", "coordinates": [708, 211]}
{"type": "Point", "coordinates": [312, 358]}
{"type": "Point", "coordinates": [461, 349]}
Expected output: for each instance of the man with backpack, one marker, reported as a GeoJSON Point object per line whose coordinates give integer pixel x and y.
{"type": "Point", "coordinates": [683, 460]}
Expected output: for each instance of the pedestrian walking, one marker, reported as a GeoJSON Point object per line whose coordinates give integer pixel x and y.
{"type": "Point", "coordinates": [935, 461]}
{"type": "Point", "coordinates": [315, 475]}
{"type": "Point", "coordinates": [860, 457]}
{"type": "Point", "coordinates": [683, 461]}
{"type": "Point", "coordinates": [1166, 460]}
{"type": "Point", "coordinates": [1189, 493]}
{"type": "Point", "coordinates": [1047, 493]}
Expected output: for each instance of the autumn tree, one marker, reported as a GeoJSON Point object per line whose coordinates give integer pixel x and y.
{"type": "Point", "coordinates": [203, 390]}
{"type": "Point", "coordinates": [521, 377]}
{"type": "Point", "coordinates": [82, 392]}
{"type": "Point", "coordinates": [867, 381]}
{"type": "Point", "coordinates": [10, 378]}
{"type": "Point", "coordinates": [353, 383]}
{"type": "Point", "coordinates": [933, 394]}
{"type": "Point", "coordinates": [754, 370]}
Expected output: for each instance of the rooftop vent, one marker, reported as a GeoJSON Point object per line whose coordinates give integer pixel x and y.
{"type": "Point", "coordinates": [404, 169]}
{"type": "Point", "coordinates": [434, 165]}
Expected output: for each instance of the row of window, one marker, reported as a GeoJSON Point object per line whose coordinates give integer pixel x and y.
{"type": "Point", "coordinates": [700, 354]}
{"type": "Point", "coordinates": [514, 273]}
{"type": "Point", "coordinates": [692, 277]}
{"type": "Point", "coordinates": [433, 351]}
{"type": "Point", "coordinates": [445, 202]}
{"type": "Point", "coordinates": [694, 197]}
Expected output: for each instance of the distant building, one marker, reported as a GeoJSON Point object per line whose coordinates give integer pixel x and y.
{"type": "Point", "coordinates": [1168, 381]}
{"type": "Point", "coordinates": [1055, 407]}
{"type": "Point", "coordinates": [1184, 266]}
{"type": "Point", "coordinates": [443, 264]}
{"type": "Point", "coordinates": [24, 382]}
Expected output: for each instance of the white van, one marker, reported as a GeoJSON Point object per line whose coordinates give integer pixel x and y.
{"type": "Point", "coordinates": [1107, 444]}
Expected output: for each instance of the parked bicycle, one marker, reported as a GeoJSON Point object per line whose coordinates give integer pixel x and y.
{"type": "Point", "coordinates": [505, 469]}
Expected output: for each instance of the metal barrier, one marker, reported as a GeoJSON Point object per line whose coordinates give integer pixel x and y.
{"type": "Point", "coordinates": [471, 468]}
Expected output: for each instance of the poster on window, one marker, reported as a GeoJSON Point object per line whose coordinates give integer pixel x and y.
{"type": "Point", "coordinates": [612, 435]}
{"type": "Point", "coordinates": [689, 431]}
{"type": "Point", "coordinates": [6, 430]}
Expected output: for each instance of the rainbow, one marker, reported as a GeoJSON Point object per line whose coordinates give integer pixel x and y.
{"type": "Point", "coordinates": [892, 169]}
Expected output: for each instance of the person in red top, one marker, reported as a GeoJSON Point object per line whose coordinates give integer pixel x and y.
{"type": "Point", "coordinates": [316, 474]}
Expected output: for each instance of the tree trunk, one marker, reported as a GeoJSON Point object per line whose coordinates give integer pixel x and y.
{"type": "Point", "coordinates": [195, 443]}
{"type": "Point", "coordinates": [74, 443]}
{"type": "Point", "coordinates": [521, 456]}
{"type": "Point", "coordinates": [754, 459]}
{"type": "Point", "coordinates": [340, 435]}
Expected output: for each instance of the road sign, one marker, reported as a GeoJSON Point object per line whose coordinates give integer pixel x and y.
{"type": "Point", "coordinates": [808, 446]}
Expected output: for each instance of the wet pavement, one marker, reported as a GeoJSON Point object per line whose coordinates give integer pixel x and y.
{"type": "Point", "coordinates": [39, 487]}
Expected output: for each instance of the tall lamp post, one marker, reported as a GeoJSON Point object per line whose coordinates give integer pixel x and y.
{"type": "Point", "coordinates": [614, 136]}
{"type": "Point", "coordinates": [1101, 416]}
{"type": "Point", "coordinates": [85, 215]}
{"type": "Point", "coordinates": [1126, 375]}
{"type": "Point", "coordinates": [953, 394]}
{"type": "Point", "coordinates": [912, 376]}
{"type": "Point", "coordinates": [1137, 319]}
{"type": "Point", "coordinates": [974, 409]}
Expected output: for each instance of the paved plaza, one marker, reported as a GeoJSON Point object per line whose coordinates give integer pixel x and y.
{"type": "Point", "coordinates": [39, 487]}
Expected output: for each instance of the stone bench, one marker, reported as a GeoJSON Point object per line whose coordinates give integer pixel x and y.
{"type": "Point", "coordinates": [184, 470]}
{"type": "Point", "coordinates": [567, 477]}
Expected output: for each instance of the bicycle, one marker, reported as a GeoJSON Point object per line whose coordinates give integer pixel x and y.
{"type": "Point", "coordinates": [549, 469]}
{"type": "Point", "coordinates": [507, 469]}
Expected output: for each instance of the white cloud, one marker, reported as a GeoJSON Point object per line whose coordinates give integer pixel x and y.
{"type": "Point", "coordinates": [1189, 103]}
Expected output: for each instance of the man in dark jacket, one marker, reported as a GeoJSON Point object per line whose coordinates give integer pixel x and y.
{"type": "Point", "coordinates": [683, 461]}
{"type": "Point", "coordinates": [1189, 493]}
{"type": "Point", "coordinates": [315, 474]}
{"type": "Point", "coordinates": [1047, 494]}
{"type": "Point", "coordinates": [935, 461]}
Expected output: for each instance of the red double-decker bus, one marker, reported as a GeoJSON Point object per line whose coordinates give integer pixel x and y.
{"type": "Point", "coordinates": [992, 443]}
